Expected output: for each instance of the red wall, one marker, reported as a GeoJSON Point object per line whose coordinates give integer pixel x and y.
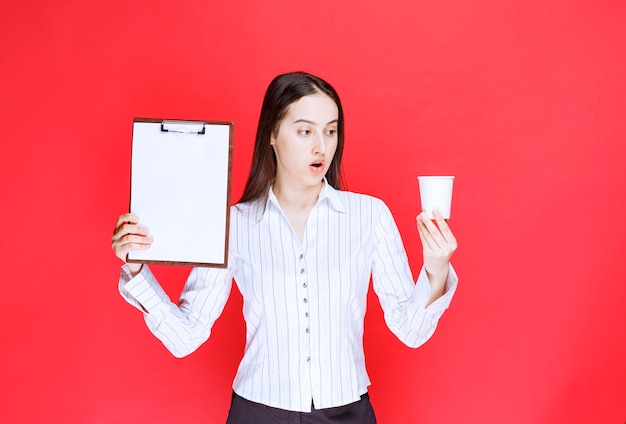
{"type": "Point", "coordinates": [523, 101]}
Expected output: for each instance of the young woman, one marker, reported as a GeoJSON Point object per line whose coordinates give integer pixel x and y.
{"type": "Point", "coordinates": [301, 252]}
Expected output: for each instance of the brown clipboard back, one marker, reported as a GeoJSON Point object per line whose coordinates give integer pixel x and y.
{"type": "Point", "coordinates": [181, 173]}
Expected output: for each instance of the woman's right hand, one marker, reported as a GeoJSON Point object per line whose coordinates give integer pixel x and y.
{"type": "Point", "coordinates": [129, 235]}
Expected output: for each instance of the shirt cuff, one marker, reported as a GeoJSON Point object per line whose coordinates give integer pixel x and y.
{"type": "Point", "coordinates": [423, 290]}
{"type": "Point", "coordinates": [142, 291]}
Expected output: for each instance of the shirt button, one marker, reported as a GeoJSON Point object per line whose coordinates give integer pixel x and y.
{"type": "Point", "coordinates": [308, 359]}
{"type": "Point", "coordinates": [306, 314]}
{"type": "Point", "coordinates": [302, 271]}
{"type": "Point", "coordinates": [301, 256]}
{"type": "Point", "coordinates": [307, 331]}
{"type": "Point", "coordinates": [304, 285]}
{"type": "Point", "coordinates": [305, 300]}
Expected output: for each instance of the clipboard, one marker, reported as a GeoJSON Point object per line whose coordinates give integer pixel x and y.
{"type": "Point", "coordinates": [180, 189]}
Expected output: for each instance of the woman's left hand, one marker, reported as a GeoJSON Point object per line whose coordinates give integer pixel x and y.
{"type": "Point", "coordinates": [438, 244]}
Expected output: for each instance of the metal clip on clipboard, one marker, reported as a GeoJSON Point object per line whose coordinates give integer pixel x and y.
{"type": "Point", "coordinates": [183, 127]}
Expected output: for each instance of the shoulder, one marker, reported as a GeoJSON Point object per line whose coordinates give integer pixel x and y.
{"type": "Point", "coordinates": [247, 212]}
{"type": "Point", "coordinates": [359, 202]}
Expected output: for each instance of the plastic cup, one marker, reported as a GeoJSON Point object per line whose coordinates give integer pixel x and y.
{"type": "Point", "coordinates": [436, 193]}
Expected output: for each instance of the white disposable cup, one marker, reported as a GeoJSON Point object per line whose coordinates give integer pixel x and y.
{"type": "Point", "coordinates": [436, 193]}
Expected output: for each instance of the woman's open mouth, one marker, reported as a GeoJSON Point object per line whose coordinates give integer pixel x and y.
{"type": "Point", "coordinates": [317, 167]}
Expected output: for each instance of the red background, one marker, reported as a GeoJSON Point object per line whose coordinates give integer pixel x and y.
{"type": "Point", "coordinates": [523, 101]}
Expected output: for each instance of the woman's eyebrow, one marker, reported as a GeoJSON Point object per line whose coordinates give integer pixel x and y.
{"type": "Point", "coordinates": [306, 121]}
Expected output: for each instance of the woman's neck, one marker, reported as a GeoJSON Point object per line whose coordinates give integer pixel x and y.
{"type": "Point", "coordinates": [296, 198]}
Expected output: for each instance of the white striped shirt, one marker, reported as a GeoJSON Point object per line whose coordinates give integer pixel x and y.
{"type": "Point", "coordinates": [304, 302]}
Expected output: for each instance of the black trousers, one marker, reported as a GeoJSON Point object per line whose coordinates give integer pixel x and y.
{"type": "Point", "coordinates": [243, 411]}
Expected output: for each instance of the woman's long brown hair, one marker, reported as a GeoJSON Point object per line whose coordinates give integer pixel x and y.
{"type": "Point", "coordinates": [282, 92]}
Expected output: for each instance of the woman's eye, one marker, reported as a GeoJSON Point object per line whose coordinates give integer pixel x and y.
{"type": "Point", "coordinates": [331, 132]}
{"type": "Point", "coordinates": [304, 132]}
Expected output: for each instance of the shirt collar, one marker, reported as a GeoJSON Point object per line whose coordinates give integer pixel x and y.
{"type": "Point", "coordinates": [327, 192]}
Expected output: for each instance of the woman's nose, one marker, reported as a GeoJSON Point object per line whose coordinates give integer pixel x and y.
{"type": "Point", "coordinates": [320, 144]}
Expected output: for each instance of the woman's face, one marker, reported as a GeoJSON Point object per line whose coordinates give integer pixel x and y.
{"type": "Point", "coordinates": [306, 141]}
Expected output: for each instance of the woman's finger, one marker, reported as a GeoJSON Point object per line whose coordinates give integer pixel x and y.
{"type": "Point", "coordinates": [444, 228]}
{"type": "Point", "coordinates": [432, 232]}
{"type": "Point", "coordinates": [439, 237]}
{"type": "Point", "coordinates": [123, 222]}
{"type": "Point", "coordinates": [127, 229]}
{"type": "Point", "coordinates": [427, 241]}
{"type": "Point", "coordinates": [130, 242]}
{"type": "Point", "coordinates": [128, 224]}
{"type": "Point", "coordinates": [129, 218]}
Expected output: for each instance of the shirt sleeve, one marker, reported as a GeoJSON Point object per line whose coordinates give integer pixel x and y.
{"type": "Point", "coordinates": [403, 301]}
{"type": "Point", "coordinates": [181, 327]}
